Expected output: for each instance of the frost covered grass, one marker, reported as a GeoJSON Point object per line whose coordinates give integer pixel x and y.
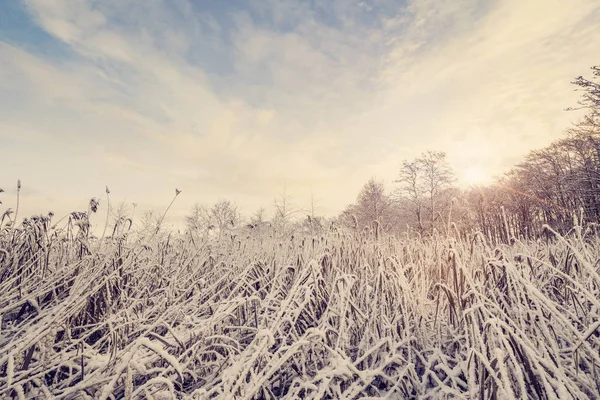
{"type": "Point", "coordinates": [339, 315]}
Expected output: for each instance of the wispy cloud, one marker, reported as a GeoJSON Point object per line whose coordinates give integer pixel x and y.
{"type": "Point", "coordinates": [237, 99]}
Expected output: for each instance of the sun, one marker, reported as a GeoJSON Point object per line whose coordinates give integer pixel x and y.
{"type": "Point", "coordinates": [474, 175]}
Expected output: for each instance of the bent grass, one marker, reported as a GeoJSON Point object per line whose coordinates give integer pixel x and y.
{"type": "Point", "coordinates": [335, 315]}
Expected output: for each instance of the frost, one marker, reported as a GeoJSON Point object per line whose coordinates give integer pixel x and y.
{"type": "Point", "coordinates": [342, 317]}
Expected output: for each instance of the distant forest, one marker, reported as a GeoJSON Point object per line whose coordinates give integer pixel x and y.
{"type": "Point", "coordinates": [556, 186]}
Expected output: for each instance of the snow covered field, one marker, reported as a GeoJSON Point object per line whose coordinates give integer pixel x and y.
{"type": "Point", "coordinates": [339, 315]}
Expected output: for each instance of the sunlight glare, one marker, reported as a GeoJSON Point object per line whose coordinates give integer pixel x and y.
{"type": "Point", "coordinates": [475, 176]}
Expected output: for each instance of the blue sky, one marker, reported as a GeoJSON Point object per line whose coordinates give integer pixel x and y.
{"type": "Point", "coordinates": [238, 98]}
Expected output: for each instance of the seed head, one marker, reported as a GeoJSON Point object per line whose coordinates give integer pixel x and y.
{"type": "Point", "coordinates": [94, 202]}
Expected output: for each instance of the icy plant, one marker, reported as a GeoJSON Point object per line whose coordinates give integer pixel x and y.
{"type": "Point", "coordinates": [343, 315]}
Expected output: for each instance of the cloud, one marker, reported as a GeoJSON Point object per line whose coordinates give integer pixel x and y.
{"type": "Point", "coordinates": [501, 84]}
{"type": "Point", "coordinates": [238, 99]}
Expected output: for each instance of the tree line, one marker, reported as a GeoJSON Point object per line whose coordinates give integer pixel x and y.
{"type": "Point", "coordinates": [558, 186]}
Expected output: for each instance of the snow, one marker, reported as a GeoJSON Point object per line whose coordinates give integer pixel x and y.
{"type": "Point", "coordinates": [348, 318]}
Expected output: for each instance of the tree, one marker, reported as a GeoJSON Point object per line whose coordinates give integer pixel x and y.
{"type": "Point", "coordinates": [437, 176]}
{"type": "Point", "coordinates": [199, 219]}
{"type": "Point", "coordinates": [585, 138]}
{"type": "Point", "coordinates": [225, 215]}
{"type": "Point", "coordinates": [284, 210]}
{"type": "Point", "coordinates": [590, 100]}
{"type": "Point", "coordinates": [411, 189]}
{"type": "Point", "coordinates": [221, 217]}
{"type": "Point", "coordinates": [372, 204]}
{"type": "Point", "coordinates": [313, 222]}
{"type": "Point", "coordinates": [424, 181]}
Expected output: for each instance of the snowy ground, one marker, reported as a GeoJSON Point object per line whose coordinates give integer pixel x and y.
{"type": "Point", "coordinates": [338, 315]}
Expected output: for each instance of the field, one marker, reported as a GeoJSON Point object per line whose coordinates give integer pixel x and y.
{"type": "Point", "coordinates": [338, 314]}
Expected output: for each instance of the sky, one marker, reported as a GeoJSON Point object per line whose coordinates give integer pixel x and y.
{"type": "Point", "coordinates": [240, 99]}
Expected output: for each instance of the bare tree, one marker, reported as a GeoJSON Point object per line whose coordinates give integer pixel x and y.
{"type": "Point", "coordinates": [590, 99]}
{"type": "Point", "coordinates": [437, 176]}
{"type": "Point", "coordinates": [199, 219]}
{"type": "Point", "coordinates": [221, 217]}
{"type": "Point", "coordinates": [313, 222]}
{"type": "Point", "coordinates": [372, 204]}
{"type": "Point", "coordinates": [423, 181]}
{"type": "Point", "coordinates": [284, 210]}
{"type": "Point", "coordinates": [411, 189]}
{"type": "Point", "coordinates": [225, 215]}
